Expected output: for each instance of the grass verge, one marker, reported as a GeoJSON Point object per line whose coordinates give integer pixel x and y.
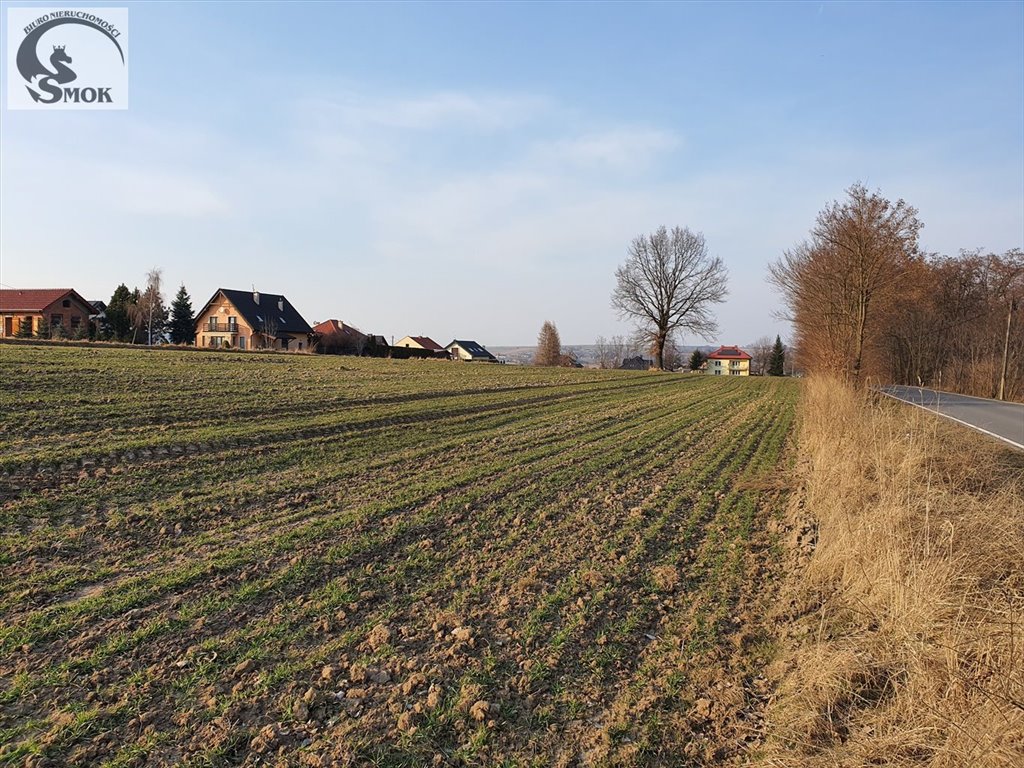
{"type": "Point", "coordinates": [905, 612]}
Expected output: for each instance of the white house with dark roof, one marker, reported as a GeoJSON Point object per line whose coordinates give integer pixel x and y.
{"type": "Point", "coordinates": [470, 351]}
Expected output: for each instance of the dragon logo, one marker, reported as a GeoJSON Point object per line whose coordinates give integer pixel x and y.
{"type": "Point", "coordinates": [50, 84]}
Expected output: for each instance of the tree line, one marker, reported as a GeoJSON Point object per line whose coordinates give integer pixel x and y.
{"type": "Point", "coordinates": [135, 316]}
{"type": "Point", "coordinates": [868, 305]}
{"type": "Point", "coordinates": [142, 316]}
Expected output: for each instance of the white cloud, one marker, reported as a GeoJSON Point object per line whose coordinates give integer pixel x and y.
{"type": "Point", "coordinates": [622, 149]}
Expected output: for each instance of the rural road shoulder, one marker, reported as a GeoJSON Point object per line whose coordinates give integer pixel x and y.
{"type": "Point", "coordinates": [1004, 421]}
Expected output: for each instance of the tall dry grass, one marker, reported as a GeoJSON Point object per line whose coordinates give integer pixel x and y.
{"type": "Point", "coordinates": [908, 647]}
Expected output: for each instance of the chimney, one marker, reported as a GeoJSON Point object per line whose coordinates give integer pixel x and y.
{"type": "Point", "coordinates": [280, 304]}
{"type": "Point", "coordinates": [256, 296]}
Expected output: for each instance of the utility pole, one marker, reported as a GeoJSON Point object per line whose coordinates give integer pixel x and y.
{"type": "Point", "coordinates": [1006, 348]}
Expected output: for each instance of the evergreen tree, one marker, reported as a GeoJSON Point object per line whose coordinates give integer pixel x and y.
{"type": "Point", "coordinates": [549, 346]}
{"type": "Point", "coordinates": [697, 360]}
{"type": "Point", "coordinates": [24, 329]}
{"type": "Point", "coordinates": [135, 316]}
{"type": "Point", "coordinates": [118, 318]}
{"type": "Point", "coordinates": [777, 362]}
{"type": "Point", "coordinates": [183, 326]}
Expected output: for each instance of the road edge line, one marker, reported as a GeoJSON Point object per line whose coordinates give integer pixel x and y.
{"type": "Point", "coordinates": [1007, 440]}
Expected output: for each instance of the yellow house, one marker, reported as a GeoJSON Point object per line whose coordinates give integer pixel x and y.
{"type": "Point", "coordinates": [728, 361]}
{"type": "Point", "coordinates": [419, 342]}
{"type": "Point", "coordinates": [251, 320]}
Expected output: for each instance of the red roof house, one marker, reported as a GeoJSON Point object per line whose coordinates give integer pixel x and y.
{"type": "Point", "coordinates": [420, 342]}
{"type": "Point", "coordinates": [333, 337]}
{"type": "Point", "coordinates": [728, 361]}
{"type": "Point", "coordinates": [62, 309]}
{"type": "Point", "coordinates": [728, 353]}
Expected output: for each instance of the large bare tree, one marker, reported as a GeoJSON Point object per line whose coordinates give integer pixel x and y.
{"type": "Point", "coordinates": [837, 285]}
{"type": "Point", "coordinates": [669, 283]}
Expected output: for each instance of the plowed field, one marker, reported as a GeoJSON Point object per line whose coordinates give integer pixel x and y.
{"type": "Point", "coordinates": [231, 559]}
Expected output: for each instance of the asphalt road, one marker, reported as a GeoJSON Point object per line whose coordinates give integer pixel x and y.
{"type": "Point", "coordinates": [1004, 421]}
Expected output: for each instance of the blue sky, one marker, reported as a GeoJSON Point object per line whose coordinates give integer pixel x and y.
{"type": "Point", "coordinates": [470, 170]}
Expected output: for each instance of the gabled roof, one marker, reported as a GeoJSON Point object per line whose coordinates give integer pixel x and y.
{"type": "Point", "coordinates": [337, 328]}
{"type": "Point", "coordinates": [728, 353]}
{"type": "Point", "coordinates": [34, 299]}
{"type": "Point", "coordinates": [473, 348]}
{"type": "Point", "coordinates": [287, 319]}
{"type": "Point", "coordinates": [427, 343]}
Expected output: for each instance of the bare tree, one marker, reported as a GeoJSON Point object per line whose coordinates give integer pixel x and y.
{"type": "Point", "coordinates": [147, 308]}
{"type": "Point", "coordinates": [549, 345]}
{"type": "Point", "coordinates": [669, 283]}
{"type": "Point", "coordinates": [838, 284]}
{"type": "Point", "coordinates": [760, 354]}
{"type": "Point", "coordinates": [269, 331]}
{"type": "Point", "coordinates": [603, 353]}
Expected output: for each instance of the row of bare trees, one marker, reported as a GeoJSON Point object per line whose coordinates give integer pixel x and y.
{"type": "Point", "coordinates": [865, 302]}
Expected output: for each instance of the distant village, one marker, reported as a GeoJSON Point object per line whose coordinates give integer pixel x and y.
{"type": "Point", "coordinates": [253, 320]}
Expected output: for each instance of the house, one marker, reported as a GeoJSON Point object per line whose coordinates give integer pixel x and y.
{"type": "Point", "coordinates": [728, 361]}
{"type": "Point", "coordinates": [638, 363]}
{"type": "Point", "coordinates": [419, 342]}
{"type": "Point", "coordinates": [62, 310]}
{"type": "Point", "coordinates": [333, 337]}
{"type": "Point", "coordinates": [417, 347]}
{"type": "Point", "coordinates": [470, 351]}
{"type": "Point", "coordinates": [251, 320]}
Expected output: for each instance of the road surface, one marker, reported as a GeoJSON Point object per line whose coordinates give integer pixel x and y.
{"type": "Point", "coordinates": [1004, 421]}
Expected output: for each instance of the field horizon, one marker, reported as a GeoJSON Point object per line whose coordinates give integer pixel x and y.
{"type": "Point", "coordinates": [223, 559]}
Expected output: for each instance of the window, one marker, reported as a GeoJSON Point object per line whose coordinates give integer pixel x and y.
{"type": "Point", "coordinates": [66, 303]}
{"type": "Point", "coordinates": [56, 319]}
{"type": "Point", "coordinates": [233, 324]}
{"type": "Point", "coordinates": [213, 323]}
{"type": "Point", "coordinates": [76, 321]}
{"type": "Point", "coordinates": [241, 342]}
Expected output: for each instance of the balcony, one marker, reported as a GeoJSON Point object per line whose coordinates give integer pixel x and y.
{"type": "Point", "coordinates": [220, 328]}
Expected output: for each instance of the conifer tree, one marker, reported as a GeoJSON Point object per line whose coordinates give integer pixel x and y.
{"type": "Point", "coordinates": [697, 360]}
{"type": "Point", "coordinates": [118, 319]}
{"type": "Point", "coordinates": [549, 346]}
{"type": "Point", "coordinates": [182, 327]}
{"type": "Point", "coordinates": [777, 362]}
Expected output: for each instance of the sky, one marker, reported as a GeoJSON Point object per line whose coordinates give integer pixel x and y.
{"type": "Point", "coordinates": [470, 170]}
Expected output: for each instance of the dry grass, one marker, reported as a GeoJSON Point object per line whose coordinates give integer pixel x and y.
{"type": "Point", "coordinates": [908, 641]}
